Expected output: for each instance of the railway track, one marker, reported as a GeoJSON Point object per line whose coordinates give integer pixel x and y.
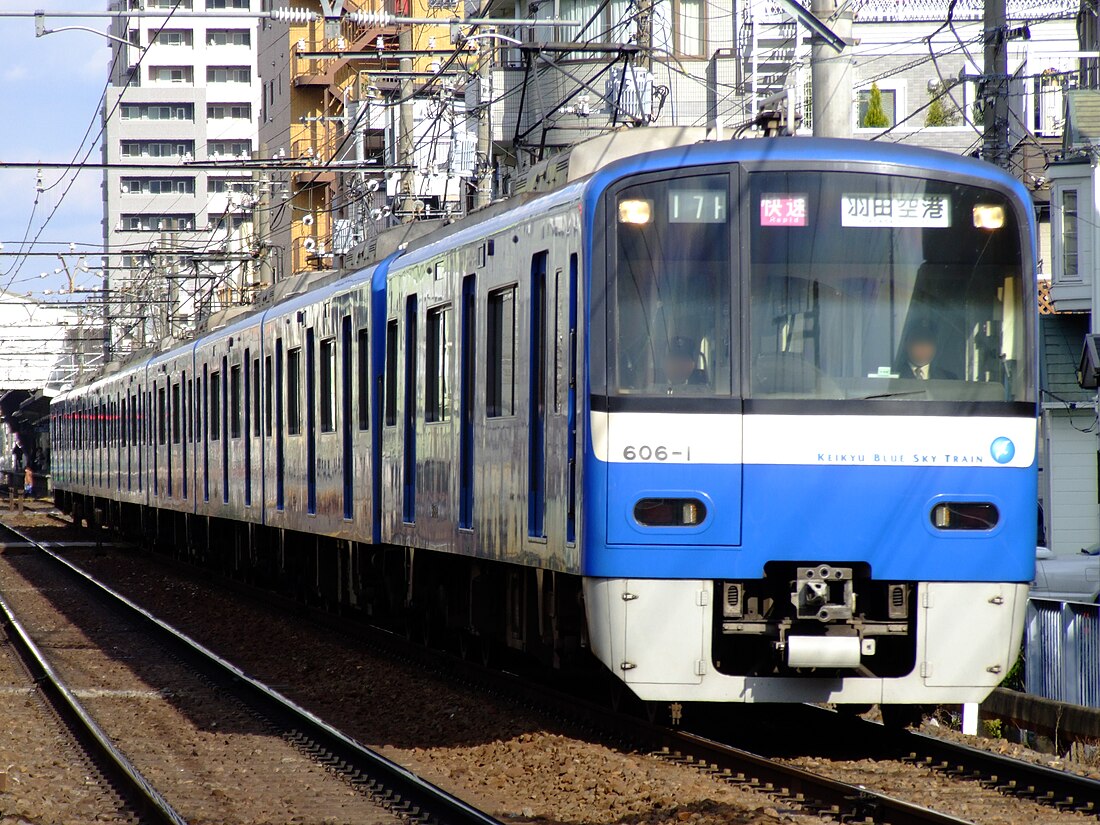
{"type": "Point", "coordinates": [388, 784]}
{"type": "Point", "coordinates": [135, 790]}
{"type": "Point", "coordinates": [1060, 789]}
{"type": "Point", "coordinates": [745, 753]}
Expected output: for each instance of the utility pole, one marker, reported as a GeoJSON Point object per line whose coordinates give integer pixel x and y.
{"type": "Point", "coordinates": [406, 140]}
{"type": "Point", "coordinates": [645, 33]}
{"type": "Point", "coordinates": [995, 84]}
{"type": "Point", "coordinates": [831, 73]}
{"type": "Point", "coordinates": [261, 224]}
{"type": "Point", "coordinates": [484, 124]}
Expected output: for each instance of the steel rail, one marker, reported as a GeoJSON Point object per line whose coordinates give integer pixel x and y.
{"type": "Point", "coordinates": [401, 789]}
{"type": "Point", "coordinates": [135, 788]}
{"type": "Point", "coordinates": [1017, 777]}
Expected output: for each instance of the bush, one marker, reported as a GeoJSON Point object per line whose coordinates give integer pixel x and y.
{"type": "Point", "coordinates": [875, 116]}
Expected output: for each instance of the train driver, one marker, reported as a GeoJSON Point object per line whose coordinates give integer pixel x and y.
{"type": "Point", "coordinates": [682, 362]}
{"type": "Point", "coordinates": [919, 358]}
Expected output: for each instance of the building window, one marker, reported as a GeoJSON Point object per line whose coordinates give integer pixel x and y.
{"type": "Point", "coordinates": [157, 223]}
{"type": "Point", "coordinates": [294, 391]}
{"type": "Point", "coordinates": [156, 148]}
{"type": "Point", "coordinates": [219, 186]}
{"type": "Point", "coordinates": [228, 37]}
{"type": "Point", "coordinates": [1070, 270]}
{"type": "Point", "coordinates": [328, 385]}
{"type": "Point", "coordinates": [222, 222]}
{"type": "Point", "coordinates": [888, 101]}
{"type": "Point", "coordinates": [437, 399]}
{"type": "Point", "coordinates": [179, 5]}
{"type": "Point", "coordinates": [228, 74]}
{"type": "Point", "coordinates": [232, 148]}
{"type": "Point", "coordinates": [171, 74]}
{"type": "Point", "coordinates": [214, 5]}
{"type": "Point", "coordinates": [158, 111]}
{"type": "Point", "coordinates": [227, 111]}
{"type": "Point", "coordinates": [500, 351]}
{"type": "Point", "coordinates": [173, 37]}
{"type": "Point", "coordinates": [689, 27]}
{"type": "Point", "coordinates": [158, 186]}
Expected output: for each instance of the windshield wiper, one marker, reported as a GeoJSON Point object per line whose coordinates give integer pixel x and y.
{"type": "Point", "coordinates": [888, 395]}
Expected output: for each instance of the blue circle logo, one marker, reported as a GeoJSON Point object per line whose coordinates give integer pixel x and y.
{"type": "Point", "coordinates": [1002, 449]}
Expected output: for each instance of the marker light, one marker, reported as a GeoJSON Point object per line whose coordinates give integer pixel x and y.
{"type": "Point", "coordinates": [635, 211]}
{"type": "Point", "coordinates": [965, 515]}
{"type": "Point", "coordinates": [670, 512]}
{"type": "Point", "coordinates": [989, 216]}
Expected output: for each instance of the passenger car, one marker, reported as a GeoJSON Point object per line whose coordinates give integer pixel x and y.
{"type": "Point", "coordinates": [1071, 578]}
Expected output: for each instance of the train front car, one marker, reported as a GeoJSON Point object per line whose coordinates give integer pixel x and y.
{"type": "Point", "coordinates": [811, 466]}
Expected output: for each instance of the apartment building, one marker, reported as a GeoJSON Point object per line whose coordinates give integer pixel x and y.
{"type": "Point", "coordinates": [182, 92]}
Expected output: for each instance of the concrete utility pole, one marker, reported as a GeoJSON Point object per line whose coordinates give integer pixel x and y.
{"type": "Point", "coordinates": [645, 33]}
{"type": "Point", "coordinates": [484, 124]}
{"type": "Point", "coordinates": [832, 73]}
{"type": "Point", "coordinates": [995, 84]}
{"type": "Point", "coordinates": [265, 273]}
{"type": "Point", "coordinates": [406, 139]}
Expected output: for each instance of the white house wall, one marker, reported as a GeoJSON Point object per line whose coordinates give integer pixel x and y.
{"type": "Point", "coordinates": [1072, 512]}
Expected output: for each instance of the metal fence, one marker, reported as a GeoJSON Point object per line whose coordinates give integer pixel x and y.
{"type": "Point", "coordinates": [1062, 651]}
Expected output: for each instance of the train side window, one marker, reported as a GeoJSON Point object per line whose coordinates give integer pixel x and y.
{"type": "Point", "coordinates": [294, 391]}
{"type": "Point", "coordinates": [176, 413]}
{"type": "Point", "coordinates": [391, 373]}
{"type": "Point", "coordinates": [188, 396]}
{"type": "Point", "coordinates": [197, 396]}
{"type": "Point", "coordinates": [500, 351]}
{"type": "Point", "coordinates": [214, 417]}
{"type": "Point", "coordinates": [235, 401]}
{"type": "Point", "coordinates": [363, 353]}
{"type": "Point", "coordinates": [437, 391]}
{"type": "Point", "coordinates": [162, 418]}
{"type": "Point", "coordinates": [256, 397]}
{"type": "Point", "coordinates": [267, 396]}
{"type": "Point", "coordinates": [134, 428]}
{"type": "Point", "coordinates": [328, 385]}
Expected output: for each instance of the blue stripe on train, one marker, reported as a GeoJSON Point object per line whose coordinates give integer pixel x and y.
{"type": "Point", "coordinates": [878, 515]}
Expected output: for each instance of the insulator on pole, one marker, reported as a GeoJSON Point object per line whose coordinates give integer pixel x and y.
{"type": "Point", "coordinates": [370, 18]}
{"type": "Point", "coordinates": [294, 15]}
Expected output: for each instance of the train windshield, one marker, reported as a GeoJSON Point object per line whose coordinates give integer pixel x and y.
{"type": "Point", "coordinates": [878, 286]}
{"type": "Point", "coordinates": [670, 330]}
{"type": "Point", "coordinates": [855, 286]}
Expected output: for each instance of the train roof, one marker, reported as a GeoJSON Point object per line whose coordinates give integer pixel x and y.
{"type": "Point", "coordinates": [806, 150]}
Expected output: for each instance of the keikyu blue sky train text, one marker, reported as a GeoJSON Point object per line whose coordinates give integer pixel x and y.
{"type": "Point", "coordinates": [751, 421]}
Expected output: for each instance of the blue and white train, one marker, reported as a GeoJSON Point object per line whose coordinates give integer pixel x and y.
{"type": "Point", "coordinates": [750, 420]}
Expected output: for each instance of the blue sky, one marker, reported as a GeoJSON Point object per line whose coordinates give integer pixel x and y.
{"type": "Point", "coordinates": [51, 92]}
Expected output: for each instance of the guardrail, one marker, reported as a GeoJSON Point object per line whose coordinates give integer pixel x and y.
{"type": "Point", "coordinates": [1062, 651]}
